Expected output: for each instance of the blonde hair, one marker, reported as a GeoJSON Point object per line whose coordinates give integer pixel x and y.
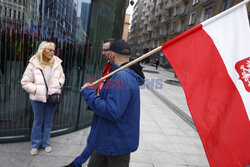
{"type": "Point", "coordinates": [43, 45]}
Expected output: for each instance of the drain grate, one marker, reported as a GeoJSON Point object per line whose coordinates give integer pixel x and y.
{"type": "Point", "coordinates": [172, 82]}
{"type": "Point", "coordinates": [151, 71]}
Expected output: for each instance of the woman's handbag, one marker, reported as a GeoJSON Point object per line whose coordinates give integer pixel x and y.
{"type": "Point", "coordinates": [54, 98]}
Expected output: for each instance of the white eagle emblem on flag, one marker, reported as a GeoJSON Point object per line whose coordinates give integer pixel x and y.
{"type": "Point", "coordinates": [243, 69]}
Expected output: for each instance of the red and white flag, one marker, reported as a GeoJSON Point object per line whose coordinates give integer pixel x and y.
{"type": "Point", "coordinates": [212, 62]}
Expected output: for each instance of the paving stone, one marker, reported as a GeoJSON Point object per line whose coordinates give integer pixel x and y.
{"type": "Point", "coordinates": [9, 159]}
{"type": "Point", "coordinates": [50, 161]}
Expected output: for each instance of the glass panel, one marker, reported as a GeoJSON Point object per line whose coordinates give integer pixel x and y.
{"type": "Point", "coordinates": [107, 18]}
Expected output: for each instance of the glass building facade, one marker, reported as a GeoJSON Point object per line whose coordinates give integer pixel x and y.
{"type": "Point", "coordinates": [78, 28]}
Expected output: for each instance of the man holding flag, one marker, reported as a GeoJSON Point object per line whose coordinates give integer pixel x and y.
{"type": "Point", "coordinates": [115, 127]}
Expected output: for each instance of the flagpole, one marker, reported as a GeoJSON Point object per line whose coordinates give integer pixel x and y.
{"type": "Point", "coordinates": [127, 65]}
{"type": "Point", "coordinates": [224, 13]}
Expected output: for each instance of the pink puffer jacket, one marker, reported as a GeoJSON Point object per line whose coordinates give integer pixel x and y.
{"type": "Point", "coordinates": [33, 82]}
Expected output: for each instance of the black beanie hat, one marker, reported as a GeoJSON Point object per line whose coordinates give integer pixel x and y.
{"type": "Point", "coordinates": [120, 47]}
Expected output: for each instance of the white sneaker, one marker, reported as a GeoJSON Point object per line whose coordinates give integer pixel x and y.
{"type": "Point", "coordinates": [34, 151]}
{"type": "Point", "coordinates": [48, 149]}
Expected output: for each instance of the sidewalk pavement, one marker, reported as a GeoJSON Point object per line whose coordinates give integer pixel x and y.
{"type": "Point", "coordinates": [166, 139]}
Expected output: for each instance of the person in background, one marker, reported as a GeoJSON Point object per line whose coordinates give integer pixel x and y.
{"type": "Point", "coordinates": [33, 82]}
{"type": "Point", "coordinates": [154, 60]}
{"type": "Point", "coordinates": [87, 151]}
{"type": "Point", "coordinates": [105, 52]}
{"type": "Point", "coordinates": [157, 63]}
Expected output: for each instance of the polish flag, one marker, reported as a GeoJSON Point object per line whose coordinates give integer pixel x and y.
{"type": "Point", "coordinates": [212, 62]}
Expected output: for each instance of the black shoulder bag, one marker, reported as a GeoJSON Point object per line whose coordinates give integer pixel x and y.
{"type": "Point", "coordinates": [54, 98]}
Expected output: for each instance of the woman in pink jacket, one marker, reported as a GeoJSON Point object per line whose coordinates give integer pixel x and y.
{"type": "Point", "coordinates": [33, 82]}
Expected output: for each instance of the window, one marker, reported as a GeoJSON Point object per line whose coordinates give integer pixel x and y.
{"type": "Point", "coordinates": [185, 8]}
{"type": "Point", "coordinates": [195, 2]}
{"type": "Point", "coordinates": [159, 19]}
{"type": "Point", "coordinates": [10, 13]}
{"type": "Point", "coordinates": [48, 14]}
{"type": "Point", "coordinates": [249, 17]}
{"type": "Point", "coordinates": [14, 15]}
{"type": "Point", "coordinates": [192, 18]}
{"type": "Point", "coordinates": [173, 25]}
{"type": "Point", "coordinates": [182, 25]}
{"type": "Point", "coordinates": [207, 12]}
{"type": "Point", "coordinates": [170, 12]}
{"type": "Point", "coordinates": [167, 30]}
{"type": "Point", "coordinates": [176, 10]}
{"type": "Point", "coordinates": [226, 4]}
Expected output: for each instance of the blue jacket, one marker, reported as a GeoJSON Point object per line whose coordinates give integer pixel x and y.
{"type": "Point", "coordinates": [116, 121]}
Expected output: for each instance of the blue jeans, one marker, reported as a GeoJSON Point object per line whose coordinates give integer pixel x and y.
{"type": "Point", "coordinates": [43, 115]}
{"type": "Point", "coordinates": [83, 157]}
